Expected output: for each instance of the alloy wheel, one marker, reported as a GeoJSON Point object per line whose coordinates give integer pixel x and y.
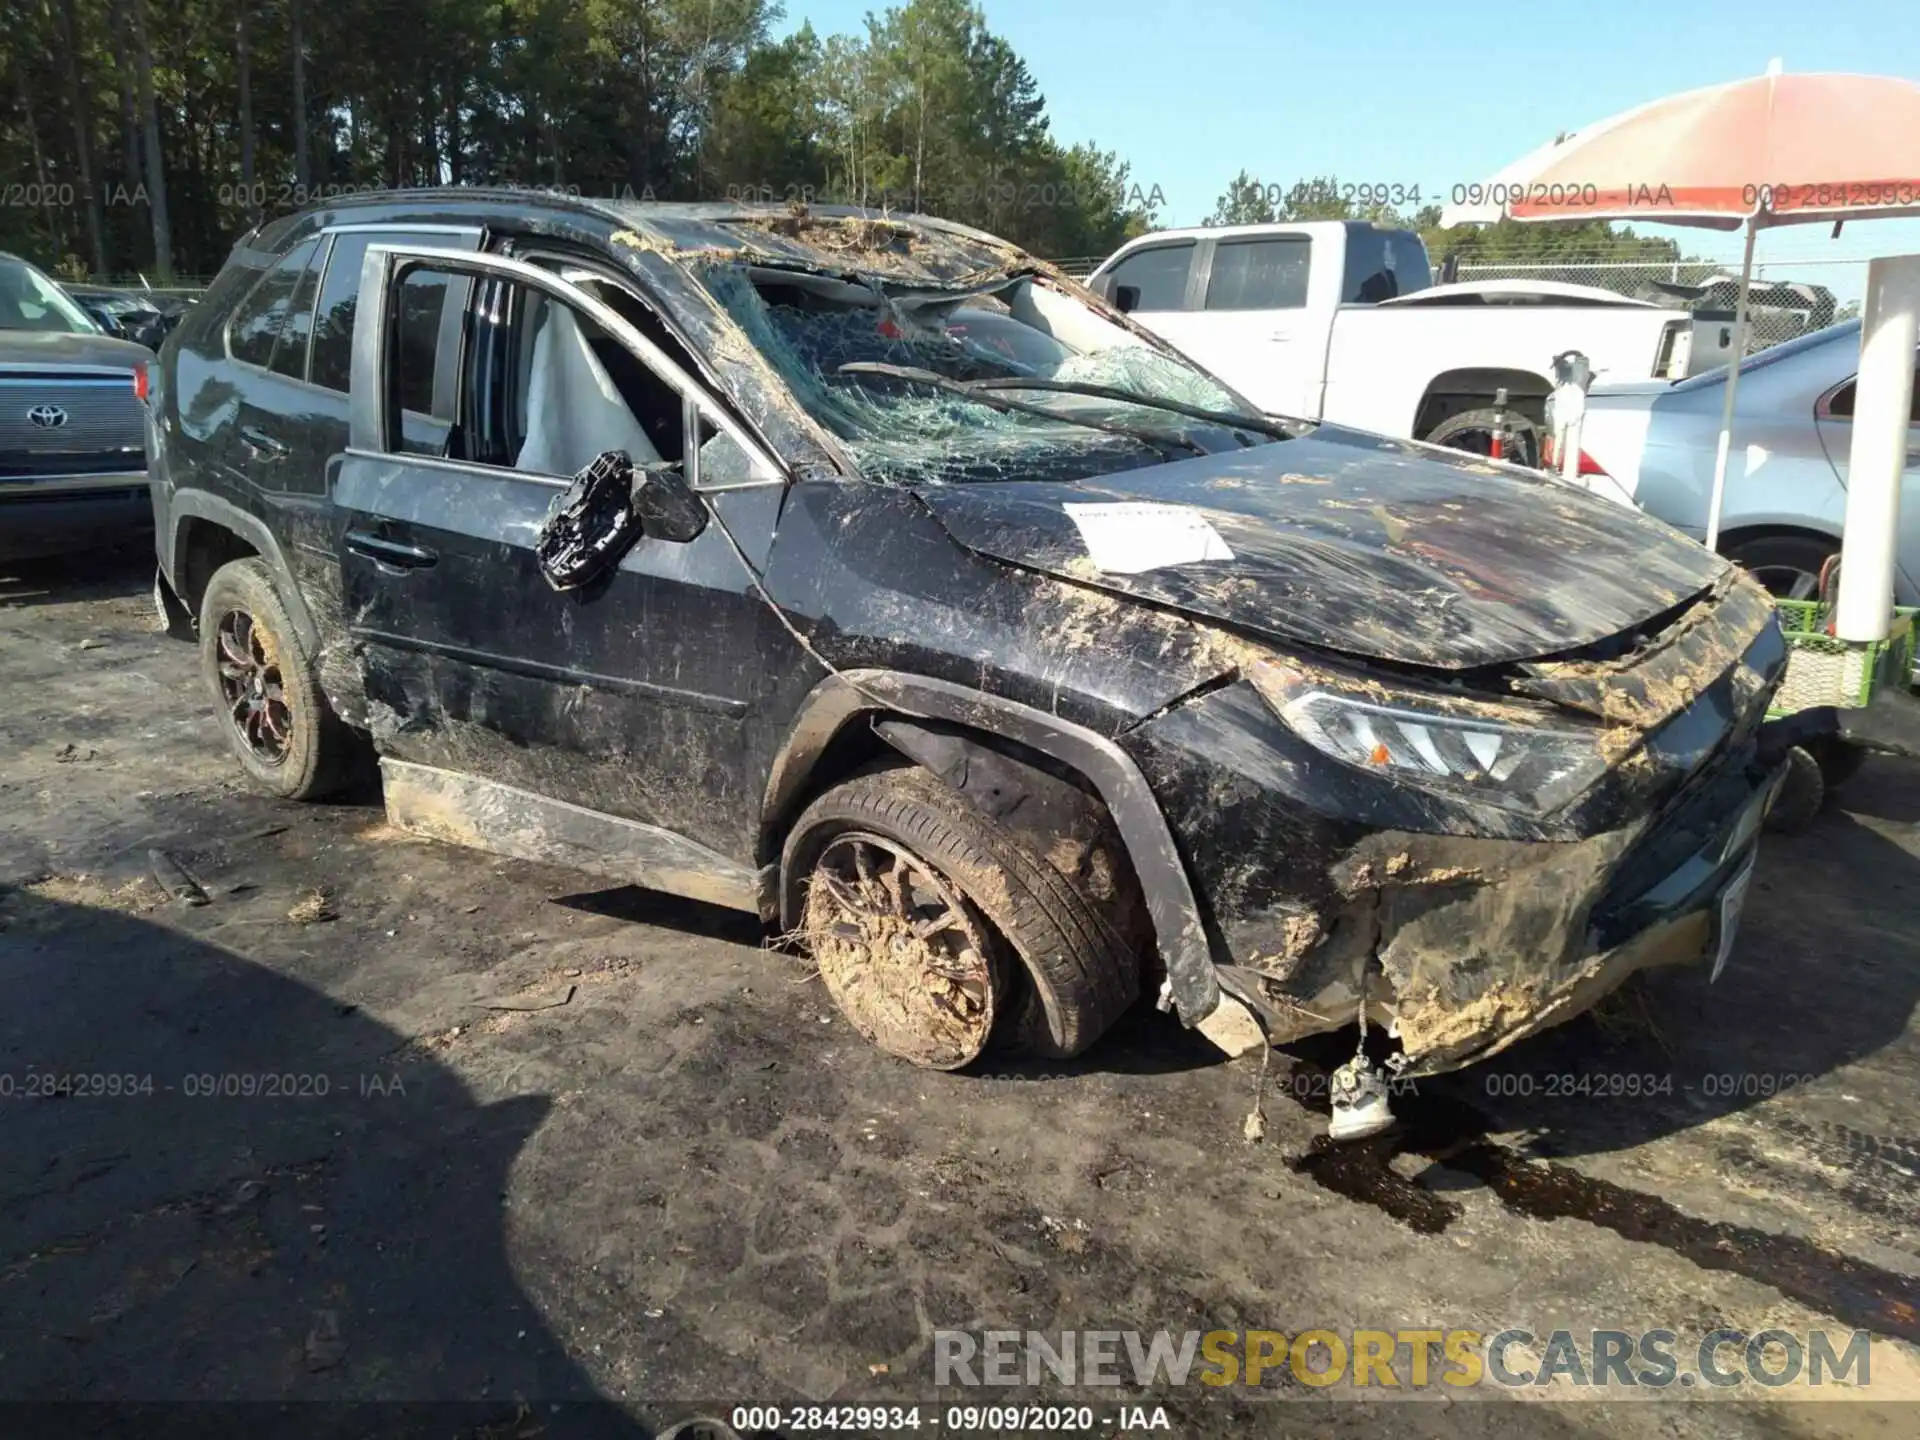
{"type": "Point", "coordinates": [252, 687]}
{"type": "Point", "coordinates": [903, 953]}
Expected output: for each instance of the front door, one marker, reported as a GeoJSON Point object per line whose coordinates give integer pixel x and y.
{"type": "Point", "coordinates": [629, 696]}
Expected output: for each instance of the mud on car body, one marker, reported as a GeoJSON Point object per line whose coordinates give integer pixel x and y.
{"type": "Point", "coordinates": [966, 629]}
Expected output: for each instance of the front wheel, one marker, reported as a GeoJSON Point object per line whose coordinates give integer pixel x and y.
{"type": "Point", "coordinates": [936, 929]}
{"type": "Point", "coordinates": [265, 689]}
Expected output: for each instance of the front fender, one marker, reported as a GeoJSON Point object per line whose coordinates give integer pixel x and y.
{"type": "Point", "coordinates": [841, 699]}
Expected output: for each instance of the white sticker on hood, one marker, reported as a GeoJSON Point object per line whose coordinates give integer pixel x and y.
{"type": "Point", "coordinates": [1131, 536]}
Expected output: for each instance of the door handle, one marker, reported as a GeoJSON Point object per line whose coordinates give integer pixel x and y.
{"type": "Point", "coordinates": [261, 443]}
{"type": "Point", "coordinates": [390, 553]}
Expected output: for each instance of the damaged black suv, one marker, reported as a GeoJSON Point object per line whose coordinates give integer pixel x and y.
{"type": "Point", "coordinates": [867, 574]}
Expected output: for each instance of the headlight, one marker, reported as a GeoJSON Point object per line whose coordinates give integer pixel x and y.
{"type": "Point", "coordinates": [1461, 749]}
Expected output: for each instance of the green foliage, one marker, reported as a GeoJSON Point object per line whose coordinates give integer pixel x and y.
{"type": "Point", "coordinates": [1247, 202]}
{"type": "Point", "coordinates": [673, 99]}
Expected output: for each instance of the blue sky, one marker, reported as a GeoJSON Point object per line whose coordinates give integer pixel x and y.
{"type": "Point", "coordinates": [1407, 91]}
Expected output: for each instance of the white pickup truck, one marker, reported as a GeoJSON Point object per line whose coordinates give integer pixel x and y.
{"type": "Point", "coordinates": [1339, 320]}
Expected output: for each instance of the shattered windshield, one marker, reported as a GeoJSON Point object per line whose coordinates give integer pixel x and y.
{"type": "Point", "coordinates": [809, 326]}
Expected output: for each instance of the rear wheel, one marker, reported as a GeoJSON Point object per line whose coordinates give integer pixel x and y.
{"type": "Point", "coordinates": [1472, 431]}
{"type": "Point", "coordinates": [1787, 565]}
{"type": "Point", "coordinates": [265, 689]}
{"type": "Point", "coordinates": [937, 930]}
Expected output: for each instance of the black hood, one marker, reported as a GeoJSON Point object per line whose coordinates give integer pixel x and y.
{"type": "Point", "coordinates": [1356, 543]}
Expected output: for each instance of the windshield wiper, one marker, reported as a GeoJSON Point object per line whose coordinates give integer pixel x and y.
{"type": "Point", "coordinates": [1224, 418]}
{"type": "Point", "coordinates": [971, 390]}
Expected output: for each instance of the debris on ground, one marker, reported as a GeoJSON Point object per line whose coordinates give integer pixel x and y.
{"type": "Point", "coordinates": [174, 879]}
{"type": "Point", "coordinates": [325, 1349]}
{"type": "Point", "coordinates": [1068, 1236]}
{"type": "Point", "coordinates": [312, 908]}
{"type": "Point", "coordinates": [132, 897]}
{"type": "Point", "coordinates": [531, 1000]}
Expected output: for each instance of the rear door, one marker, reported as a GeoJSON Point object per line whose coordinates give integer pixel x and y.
{"type": "Point", "coordinates": [1834, 415]}
{"type": "Point", "coordinates": [289, 344]}
{"type": "Point", "coordinates": [630, 696]}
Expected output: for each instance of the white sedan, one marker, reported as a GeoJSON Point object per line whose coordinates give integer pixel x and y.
{"type": "Point", "coordinates": [1652, 444]}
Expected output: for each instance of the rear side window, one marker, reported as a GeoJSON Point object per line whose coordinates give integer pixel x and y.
{"type": "Point", "coordinates": [1263, 274]}
{"type": "Point", "coordinates": [1159, 273]}
{"type": "Point", "coordinates": [340, 296]}
{"type": "Point", "coordinates": [1383, 264]}
{"type": "Point", "coordinates": [270, 327]}
{"type": "Point", "coordinates": [1841, 404]}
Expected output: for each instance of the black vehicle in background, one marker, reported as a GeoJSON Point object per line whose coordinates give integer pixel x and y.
{"type": "Point", "coordinates": [864, 573]}
{"type": "Point", "coordinates": [142, 317]}
{"type": "Point", "coordinates": [73, 469]}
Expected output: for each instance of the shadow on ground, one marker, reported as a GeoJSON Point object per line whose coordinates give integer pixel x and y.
{"type": "Point", "coordinates": [1824, 976]}
{"type": "Point", "coordinates": [112, 571]}
{"type": "Point", "coordinates": [219, 1185]}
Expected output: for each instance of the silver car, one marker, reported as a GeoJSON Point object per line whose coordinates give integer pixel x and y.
{"type": "Point", "coordinates": [1652, 444]}
{"type": "Point", "coordinates": [73, 424]}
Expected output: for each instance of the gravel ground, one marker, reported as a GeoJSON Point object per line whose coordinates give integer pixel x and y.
{"type": "Point", "coordinates": [518, 1139]}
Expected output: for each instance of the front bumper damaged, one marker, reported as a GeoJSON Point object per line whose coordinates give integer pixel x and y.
{"type": "Point", "coordinates": [1462, 947]}
{"type": "Point", "coordinates": [1326, 900]}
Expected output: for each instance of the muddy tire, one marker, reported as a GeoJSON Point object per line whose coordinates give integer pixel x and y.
{"type": "Point", "coordinates": [1059, 971]}
{"type": "Point", "coordinates": [265, 690]}
{"type": "Point", "coordinates": [1801, 795]}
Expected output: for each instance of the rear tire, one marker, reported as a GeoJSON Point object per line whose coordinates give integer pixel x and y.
{"type": "Point", "coordinates": [1471, 432]}
{"type": "Point", "coordinates": [1070, 973]}
{"type": "Point", "coordinates": [1788, 565]}
{"type": "Point", "coordinates": [265, 689]}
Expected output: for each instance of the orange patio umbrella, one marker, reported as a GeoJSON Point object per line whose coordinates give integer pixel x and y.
{"type": "Point", "coordinates": [1776, 149]}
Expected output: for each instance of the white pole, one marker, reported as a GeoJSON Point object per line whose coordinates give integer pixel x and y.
{"type": "Point", "coordinates": [1733, 385]}
{"type": "Point", "coordinates": [1882, 406]}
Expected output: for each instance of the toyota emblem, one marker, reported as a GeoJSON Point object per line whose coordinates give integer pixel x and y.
{"type": "Point", "coordinates": [47, 417]}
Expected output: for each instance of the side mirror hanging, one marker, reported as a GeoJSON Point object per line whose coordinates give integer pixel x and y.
{"type": "Point", "coordinates": [609, 506]}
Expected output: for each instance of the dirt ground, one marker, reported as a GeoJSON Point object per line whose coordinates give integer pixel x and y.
{"type": "Point", "coordinates": [519, 1139]}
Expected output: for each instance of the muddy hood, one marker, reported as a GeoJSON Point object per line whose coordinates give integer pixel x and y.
{"type": "Point", "coordinates": [1350, 542]}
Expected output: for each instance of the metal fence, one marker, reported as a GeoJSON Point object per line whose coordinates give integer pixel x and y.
{"type": "Point", "coordinates": [186, 287]}
{"type": "Point", "coordinates": [1788, 297]}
